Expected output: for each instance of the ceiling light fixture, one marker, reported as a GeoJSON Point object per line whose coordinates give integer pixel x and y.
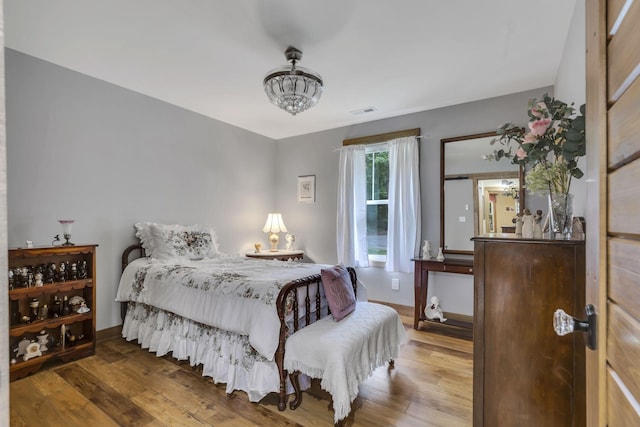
{"type": "Point", "coordinates": [294, 89]}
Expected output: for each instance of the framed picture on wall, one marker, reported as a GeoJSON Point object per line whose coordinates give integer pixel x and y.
{"type": "Point", "coordinates": [307, 189]}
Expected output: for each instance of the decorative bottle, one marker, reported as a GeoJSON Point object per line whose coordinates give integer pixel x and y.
{"type": "Point", "coordinates": [56, 306]}
{"type": "Point", "coordinates": [65, 306]}
{"type": "Point", "coordinates": [35, 309]}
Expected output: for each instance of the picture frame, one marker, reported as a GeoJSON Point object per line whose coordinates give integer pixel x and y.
{"type": "Point", "coordinates": [307, 189]}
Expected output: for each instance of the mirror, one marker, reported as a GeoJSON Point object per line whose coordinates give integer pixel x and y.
{"type": "Point", "coordinates": [477, 196]}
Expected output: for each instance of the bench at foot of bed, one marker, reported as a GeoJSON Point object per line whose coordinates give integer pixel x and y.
{"type": "Point", "coordinates": [343, 354]}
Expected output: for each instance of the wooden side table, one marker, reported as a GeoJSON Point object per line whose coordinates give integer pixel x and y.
{"type": "Point", "coordinates": [279, 255]}
{"type": "Point", "coordinates": [421, 285]}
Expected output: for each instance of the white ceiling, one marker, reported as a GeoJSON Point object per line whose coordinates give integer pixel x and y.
{"type": "Point", "coordinates": [210, 56]}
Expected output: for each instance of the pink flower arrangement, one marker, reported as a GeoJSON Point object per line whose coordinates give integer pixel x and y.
{"type": "Point", "coordinates": [550, 149]}
{"type": "Point", "coordinates": [538, 127]}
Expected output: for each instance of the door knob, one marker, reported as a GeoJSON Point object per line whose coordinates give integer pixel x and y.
{"type": "Point", "coordinates": [564, 324]}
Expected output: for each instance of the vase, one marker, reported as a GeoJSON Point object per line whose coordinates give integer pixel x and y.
{"type": "Point", "coordinates": [560, 215]}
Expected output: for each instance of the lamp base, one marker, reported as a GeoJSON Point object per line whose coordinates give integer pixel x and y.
{"type": "Point", "coordinates": [67, 237]}
{"type": "Point", "coordinates": [274, 238]}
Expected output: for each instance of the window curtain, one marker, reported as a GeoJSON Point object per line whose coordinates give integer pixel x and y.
{"type": "Point", "coordinates": [352, 207]}
{"type": "Point", "coordinates": [403, 235]}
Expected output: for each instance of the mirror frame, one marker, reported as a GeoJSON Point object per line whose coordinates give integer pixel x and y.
{"type": "Point", "coordinates": [475, 177]}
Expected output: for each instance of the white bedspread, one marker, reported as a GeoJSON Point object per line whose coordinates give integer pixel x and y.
{"type": "Point", "coordinates": [345, 353]}
{"type": "Point", "coordinates": [233, 293]}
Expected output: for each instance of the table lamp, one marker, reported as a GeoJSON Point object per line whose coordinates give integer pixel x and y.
{"type": "Point", "coordinates": [274, 226]}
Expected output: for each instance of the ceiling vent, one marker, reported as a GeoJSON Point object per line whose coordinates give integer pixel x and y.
{"type": "Point", "coordinates": [366, 110]}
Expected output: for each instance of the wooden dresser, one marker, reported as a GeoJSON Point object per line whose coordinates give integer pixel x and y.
{"type": "Point", "coordinates": [523, 373]}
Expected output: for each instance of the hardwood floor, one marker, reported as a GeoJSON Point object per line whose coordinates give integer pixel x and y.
{"type": "Point", "coordinates": [123, 385]}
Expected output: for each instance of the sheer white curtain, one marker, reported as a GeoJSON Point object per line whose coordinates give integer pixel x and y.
{"type": "Point", "coordinates": [403, 235]}
{"type": "Point", "coordinates": [352, 207]}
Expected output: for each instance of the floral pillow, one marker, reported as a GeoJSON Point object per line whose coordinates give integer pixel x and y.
{"type": "Point", "coordinates": [164, 242]}
{"type": "Point", "coordinates": [338, 290]}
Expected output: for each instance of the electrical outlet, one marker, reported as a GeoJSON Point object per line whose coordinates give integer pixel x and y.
{"type": "Point", "coordinates": [395, 284]}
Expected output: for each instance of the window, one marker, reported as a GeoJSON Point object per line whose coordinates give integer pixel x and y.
{"type": "Point", "coordinates": [377, 202]}
{"type": "Point", "coordinates": [378, 218]}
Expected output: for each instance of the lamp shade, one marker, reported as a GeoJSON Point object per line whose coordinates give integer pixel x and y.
{"type": "Point", "coordinates": [274, 224]}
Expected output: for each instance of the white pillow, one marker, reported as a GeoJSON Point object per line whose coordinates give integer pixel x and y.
{"type": "Point", "coordinates": [165, 242]}
{"type": "Point", "coordinates": [143, 232]}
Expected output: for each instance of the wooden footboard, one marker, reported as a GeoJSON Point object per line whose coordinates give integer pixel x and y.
{"type": "Point", "coordinates": [288, 302]}
{"type": "Point", "coordinates": [126, 258]}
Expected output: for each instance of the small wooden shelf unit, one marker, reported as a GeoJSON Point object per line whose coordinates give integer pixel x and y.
{"type": "Point", "coordinates": [421, 287]}
{"type": "Point", "coordinates": [81, 325]}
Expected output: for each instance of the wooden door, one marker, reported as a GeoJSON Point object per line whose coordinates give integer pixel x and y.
{"type": "Point", "coordinates": [613, 209]}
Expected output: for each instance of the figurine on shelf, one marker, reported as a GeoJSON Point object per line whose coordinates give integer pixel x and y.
{"type": "Point", "coordinates": [43, 339]}
{"type": "Point", "coordinates": [24, 277]}
{"type": "Point", "coordinates": [258, 247]}
{"type": "Point", "coordinates": [426, 250]}
{"type": "Point", "coordinates": [537, 225]}
{"type": "Point", "coordinates": [518, 221]}
{"type": "Point", "coordinates": [50, 273]}
{"type": "Point", "coordinates": [527, 224]}
{"type": "Point", "coordinates": [82, 270]}
{"type": "Point", "coordinates": [11, 283]}
{"type": "Point", "coordinates": [83, 308]}
{"type": "Point", "coordinates": [44, 312]}
{"type": "Point", "coordinates": [70, 339]}
{"type": "Point", "coordinates": [62, 272]}
{"type": "Point", "coordinates": [73, 274]}
{"type": "Point", "coordinates": [38, 276]}
{"type": "Point", "coordinates": [22, 346]}
{"type": "Point", "coordinates": [35, 309]}
{"type": "Point", "coordinates": [434, 311]}
{"type": "Point", "coordinates": [440, 256]}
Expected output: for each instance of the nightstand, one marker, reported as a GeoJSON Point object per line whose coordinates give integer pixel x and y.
{"type": "Point", "coordinates": [279, 255]}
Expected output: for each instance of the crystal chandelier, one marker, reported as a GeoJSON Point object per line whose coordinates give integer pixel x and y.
{"type": "Point", "coordinates": [294, 89]}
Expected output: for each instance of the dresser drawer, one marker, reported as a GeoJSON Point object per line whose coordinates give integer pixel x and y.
{"type": "Point", "coordinates": [462, 269]}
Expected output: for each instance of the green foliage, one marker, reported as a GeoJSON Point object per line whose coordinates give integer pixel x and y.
{"type": "Point", "coordinates": [549, 148]}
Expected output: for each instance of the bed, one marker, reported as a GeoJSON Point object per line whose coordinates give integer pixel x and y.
{"type": "Point", "coordinates": [232, 315]}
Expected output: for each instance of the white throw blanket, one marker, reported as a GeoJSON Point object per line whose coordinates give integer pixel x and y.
{"type": "Point", "coordinates": [345, 353]}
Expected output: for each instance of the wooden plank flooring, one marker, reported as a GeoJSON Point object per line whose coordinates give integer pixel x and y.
{"type": "Point", "coordinates": [123, 385]}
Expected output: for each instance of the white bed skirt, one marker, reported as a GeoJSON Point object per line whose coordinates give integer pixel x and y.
{"type": "Point", "coordinates": [226, 357]}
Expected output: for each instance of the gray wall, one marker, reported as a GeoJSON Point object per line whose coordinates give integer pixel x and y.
{"type": "Point", "coordinates": [83, 149]}
{"type": "Point", "coordinates": [314, 224]}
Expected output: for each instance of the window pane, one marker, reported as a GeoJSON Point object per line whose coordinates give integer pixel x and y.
{"type": "Point", "coordinates": [377, 175]}
{"type": "Point", "coordinates": [377, 216]}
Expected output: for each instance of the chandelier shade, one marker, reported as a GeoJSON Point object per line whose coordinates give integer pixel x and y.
{"type": "Point", "coordinates": [294, 89]}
